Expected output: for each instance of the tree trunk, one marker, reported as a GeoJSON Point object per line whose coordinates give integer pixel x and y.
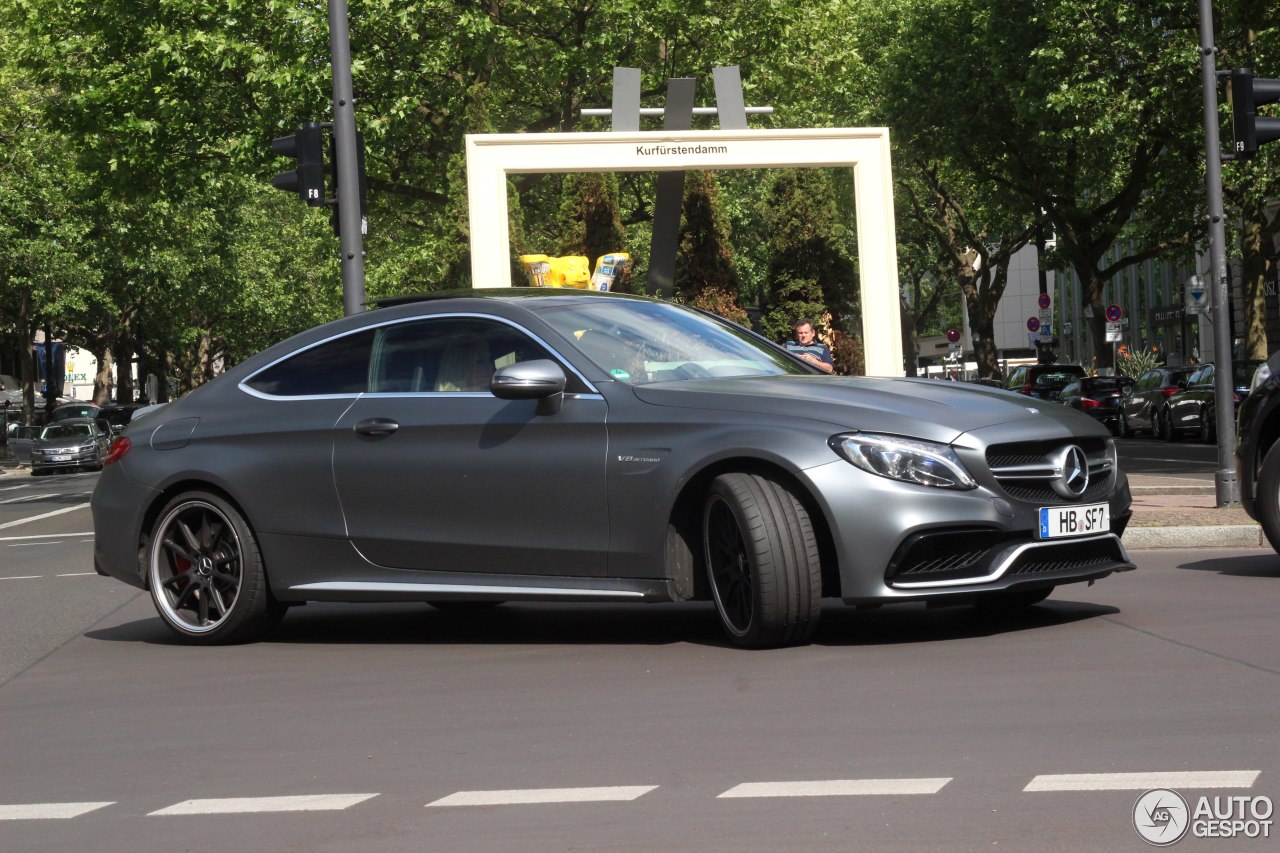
{"type": "Point", "coordinates": [102, 380]}
{"type": "Point", "coordinates": [1253, 286]}
{"type": "Point", "coordinates": [124, 370]}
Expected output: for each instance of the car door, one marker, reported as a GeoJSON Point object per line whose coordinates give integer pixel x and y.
{"type": "Point", "coordinates": [435, 473]}
{"type": "Point", "coordinates": [1184, 407]}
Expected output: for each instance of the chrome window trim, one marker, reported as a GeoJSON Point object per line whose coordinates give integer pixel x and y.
{"type": "Point", "coordinates": [1003, 565]}
{"type": "Point", "coordinates": [566, 363]}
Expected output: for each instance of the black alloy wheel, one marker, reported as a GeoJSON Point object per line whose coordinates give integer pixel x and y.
{"type": "Point", "coordinates": [762, 561]}
{"type": "Point", "coordinates": [1268, 496]}
{"type": "Point", "coordinates": [206, 575]}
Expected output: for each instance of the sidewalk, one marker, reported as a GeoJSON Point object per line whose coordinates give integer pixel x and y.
{"type": "Point", "coordinates": [1182, 512]}
{"type": "Point", "coordinates": [1168, 512]}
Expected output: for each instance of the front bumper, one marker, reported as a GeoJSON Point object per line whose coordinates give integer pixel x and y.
{"type": "Point", "coordinates": [896, 542]}
{"type": "Point", "coordinates": [65, 461]}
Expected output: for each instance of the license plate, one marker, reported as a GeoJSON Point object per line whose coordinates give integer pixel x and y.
{"type": "Point", "coordinates": [59, 458]}
{"type": "Point", "coordinates": [1057, 522]}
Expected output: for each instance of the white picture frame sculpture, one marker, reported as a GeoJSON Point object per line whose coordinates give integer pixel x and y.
{"type": "Point", "coordinates": [491, 158]}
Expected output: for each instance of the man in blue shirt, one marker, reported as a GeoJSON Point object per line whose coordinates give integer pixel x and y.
{"type": "Point", "coordinates": [808, 347]}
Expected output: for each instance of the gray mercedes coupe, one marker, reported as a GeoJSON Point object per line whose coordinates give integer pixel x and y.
{"type": "Point", "coordinates": [478, 447]}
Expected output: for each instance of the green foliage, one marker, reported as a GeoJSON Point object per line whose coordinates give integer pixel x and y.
{"type": "Point", "coordinates": [1133, 363]}
{"type": "Point", "coordinates": [705, 257]}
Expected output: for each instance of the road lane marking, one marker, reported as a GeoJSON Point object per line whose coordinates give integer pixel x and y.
{"type": "Point", "coordinates": [45, 515]}
{"type": "Point", "coordinates": [543, 795]}
{"type": "Point", "coordinates": [49, 811]}
{"type": "Point", "coordinates": [33, 544]}
{"type": "Point", "coordinates": [1142, 781]}
{"type": "Point", "coordinates": [241, 805]}
{"type": "Point", "coordinates": [45, 536]}
{"type": "Point", "coordinates": [26, 498]}
{"type": "Point", "coordinates": [836, 788]}
{"type": "Point", "coordinates": [21, 577]}
{"type": "Point", "coordinates": [76, 574]}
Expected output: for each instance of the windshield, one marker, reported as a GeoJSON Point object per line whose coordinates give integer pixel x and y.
{"type": "Point", "coordinates": [66, 431]}
{"type": "Point", "coordinates": [642, 342]}
{"type": "Point", "coordinates": [1243, 371]}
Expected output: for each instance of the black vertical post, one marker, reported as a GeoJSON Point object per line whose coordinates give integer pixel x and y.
{"type": "Point", "coordinates": [1226, 484]}
{"type": "Point", "coordinates": [351, 226]}
{"type": "Point", "coordinates": [667, 205]}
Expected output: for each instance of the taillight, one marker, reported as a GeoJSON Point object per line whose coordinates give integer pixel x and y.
{"type": "Point", "coordinates": [1026, 389]}
{"type": "Point", "coordinates": [119, 448]}
{"type": "Point", "coordinates": [1089, 403]}
{"type": "Point", "coordinates": [1170, 391]}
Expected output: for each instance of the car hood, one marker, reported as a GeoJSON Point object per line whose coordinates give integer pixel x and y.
{"type": "Point", "coordinates": [63, 443]}
{"type": "Point", "coordinates": [924, 408]}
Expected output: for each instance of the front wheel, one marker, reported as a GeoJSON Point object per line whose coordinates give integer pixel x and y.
{"type": "Point", "coordinates": [762, 561]}
{"type": "Point", "coordinates": [206, 574]}
{"type": "Point", "coordinates": [1208, 434]}
{"type": "Point", "coordinates": [1267, 503]}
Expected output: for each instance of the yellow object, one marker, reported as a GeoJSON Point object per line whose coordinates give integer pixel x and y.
{"type": "Point", "coordinates": [568, 271]}
{"type": "Point", "coordinates": [608, 268]}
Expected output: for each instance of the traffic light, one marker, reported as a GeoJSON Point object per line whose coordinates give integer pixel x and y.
{"type": "Point", "coordinates": [333, 178]}
{"type": "Point", "coordinates": [306, 147]}
{"type": "Point", "coordinates": [1247, 94]}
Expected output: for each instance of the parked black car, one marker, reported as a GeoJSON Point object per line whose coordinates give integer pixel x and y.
{"type": "Point", "coordinates": [1257, 450]}
{"type": "Point", "coordinates": [1144, 401]}
{"type": "Point", "coordinates": [1191, 411]}
{"type": "Point", "coordinates": [1098, 397]}
{"type": "Point", "coordinates": [1042, 380]}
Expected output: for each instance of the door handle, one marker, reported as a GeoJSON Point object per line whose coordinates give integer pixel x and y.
{"type": "Point", "coordinates": [375, 427]}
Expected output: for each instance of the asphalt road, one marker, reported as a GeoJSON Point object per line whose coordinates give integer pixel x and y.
{"type": "Point", "coordinates": [1141, 455]}
{"type": "Point", "coordinates": [559, 727]}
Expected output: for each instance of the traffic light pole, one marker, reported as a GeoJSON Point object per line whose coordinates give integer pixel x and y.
{"type": "Point", "coordinates": [1226, 484]}
{"type": "Point", "coordinates": [350, 221]}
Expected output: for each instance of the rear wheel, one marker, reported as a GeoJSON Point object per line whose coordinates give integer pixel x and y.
{"type": "Point", "coordinates": [762, 561]}
{"type": "Point", "coordinates": [1167, 427]}
{"type": "Point", "coordinates": [1267, 502]}
{"type": "Point", "coordinates": [206, 574]}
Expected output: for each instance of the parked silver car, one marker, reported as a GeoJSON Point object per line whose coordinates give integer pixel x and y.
{"type": "Point", "coordinates": [544, 445]}
{"type": "Point", "coordinates": [69, 445]}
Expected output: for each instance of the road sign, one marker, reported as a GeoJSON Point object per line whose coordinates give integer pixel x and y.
{"type": "Point", "coordinates": [1033, 324]}
{"type": "Point", "coordinates": [1114, 313]}
{"type": "Point", "coordinates": [1113, 332]}
{"type": "Point", "coordinates": [1197, 296]}
{"type": "Point", "coordinates": [1044, 300]}
{"type": "Point", "coordinates": [1046, 316]}
{"type": "Point", "coordinates": [953, 335]}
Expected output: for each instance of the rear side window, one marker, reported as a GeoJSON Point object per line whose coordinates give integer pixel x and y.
{"type": "Point", "coordinates": [336, 367]}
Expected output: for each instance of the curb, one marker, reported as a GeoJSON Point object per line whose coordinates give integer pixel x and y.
{"type": "Point", "coordinates": [1213, 536]}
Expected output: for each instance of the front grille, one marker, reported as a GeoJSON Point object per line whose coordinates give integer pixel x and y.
{"type": "Point", "coordinates": [1067, 557]}
{"type": "Point", "coordinates": [949, 557]}
{"type": "Point", "coordinates": [945, 555]}
{"type": "Point", "coordinates": [1025, 471]}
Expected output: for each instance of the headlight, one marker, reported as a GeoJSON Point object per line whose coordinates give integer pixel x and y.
{"type": "Point", "coordinates": [1262, 374]}
{"type": "Point", "coordinates": [925, 463]}
{"type": "Point", "coordinates": [87, 448]}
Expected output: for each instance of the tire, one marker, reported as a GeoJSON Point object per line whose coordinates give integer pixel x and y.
{"type": "Point", "coordinates": [762, 562]}
{"type": "Point", "coordinates": [1166, 426]}
{"type": "Point", "coordinates": [206, 575]}
{"type": "Point", "coordinates": [1011, 600]}
{"type": "Point", "coordinates": [1122, 427]}
{"type": "Point", "coordinates": [1267, 499]}
{"type": "Point", "coordinates": [1208, 435]}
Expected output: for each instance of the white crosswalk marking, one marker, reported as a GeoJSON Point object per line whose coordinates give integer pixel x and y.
{"type": "Point", "coordinates": [1142, 781]}
{"type": "Point", "coordinates": [240, 805]}
{"type": "Point", "coordinates": [836, 788]}
{"type": "Point", "coordinates": [543, 795]}
{"type": "Point", "coordinates": [8, 524]}
{"type": "Point", "coordinates": [28, 498]}
{"type": "Point", "coordinates": [49, 811]}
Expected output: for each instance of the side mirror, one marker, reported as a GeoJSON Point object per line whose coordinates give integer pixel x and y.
{"type": "Point", "coordinates": [541, 379]}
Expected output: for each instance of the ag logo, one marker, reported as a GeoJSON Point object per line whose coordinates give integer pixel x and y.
{"type": "Point", "coordinates": [1161, 817]}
